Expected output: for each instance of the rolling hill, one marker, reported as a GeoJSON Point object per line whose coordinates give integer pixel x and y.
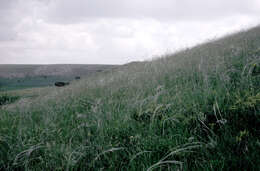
{"type": "Point", "coordinates": [22, 71]}
{"type": "Point", "coordinates": [197, 109]}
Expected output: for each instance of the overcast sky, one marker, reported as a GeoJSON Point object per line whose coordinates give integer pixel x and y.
{"type": "Point", "coordinates": [114, 31]}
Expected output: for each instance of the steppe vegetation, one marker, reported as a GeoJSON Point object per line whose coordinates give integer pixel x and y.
{"type": "Point", "coordinates": [197, 109]}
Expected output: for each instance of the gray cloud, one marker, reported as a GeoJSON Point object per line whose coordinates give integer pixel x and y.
{"type": "Point", "coordinates": [113, 31]}
{"type": "Point", "coordinates": [174, 10]}
{"type": "Point", "coordinates": [7, 22]}
{"type": "Point", "coordinates": [13, 12]}
{"type": "Point", "coordinates": [6, 4]}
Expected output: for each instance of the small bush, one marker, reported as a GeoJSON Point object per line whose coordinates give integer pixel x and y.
{"type": "Point", "coordinates": [5, 99]}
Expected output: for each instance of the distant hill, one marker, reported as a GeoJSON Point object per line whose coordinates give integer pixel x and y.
{"type": "Point", "coordinates": [14, 77]}
{"type": "Point", "coordinates": [22, 71]}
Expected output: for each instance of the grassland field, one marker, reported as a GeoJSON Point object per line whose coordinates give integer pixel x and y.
{"type": "Point", "coordinates": [196, 109]}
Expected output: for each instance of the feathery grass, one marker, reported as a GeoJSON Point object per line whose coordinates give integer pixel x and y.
{"type": "Point", "coordinates": [197, 109]}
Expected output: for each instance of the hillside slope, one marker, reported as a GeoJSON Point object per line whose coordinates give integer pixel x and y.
{"type": "Point", "coordinates": [198, 109]}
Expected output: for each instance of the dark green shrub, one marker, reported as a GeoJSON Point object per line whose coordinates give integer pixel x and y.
{"type": "Point", "coordinates": [5, 99]}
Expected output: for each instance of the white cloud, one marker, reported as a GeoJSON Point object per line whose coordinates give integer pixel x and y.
{"type": "Point", "coordinates": [38, 31]}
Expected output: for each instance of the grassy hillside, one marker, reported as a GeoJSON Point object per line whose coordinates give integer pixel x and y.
{"type": "Point", "coordinates": [198, 109]}
{"type": "Point", "coordinates": [14, 77]}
